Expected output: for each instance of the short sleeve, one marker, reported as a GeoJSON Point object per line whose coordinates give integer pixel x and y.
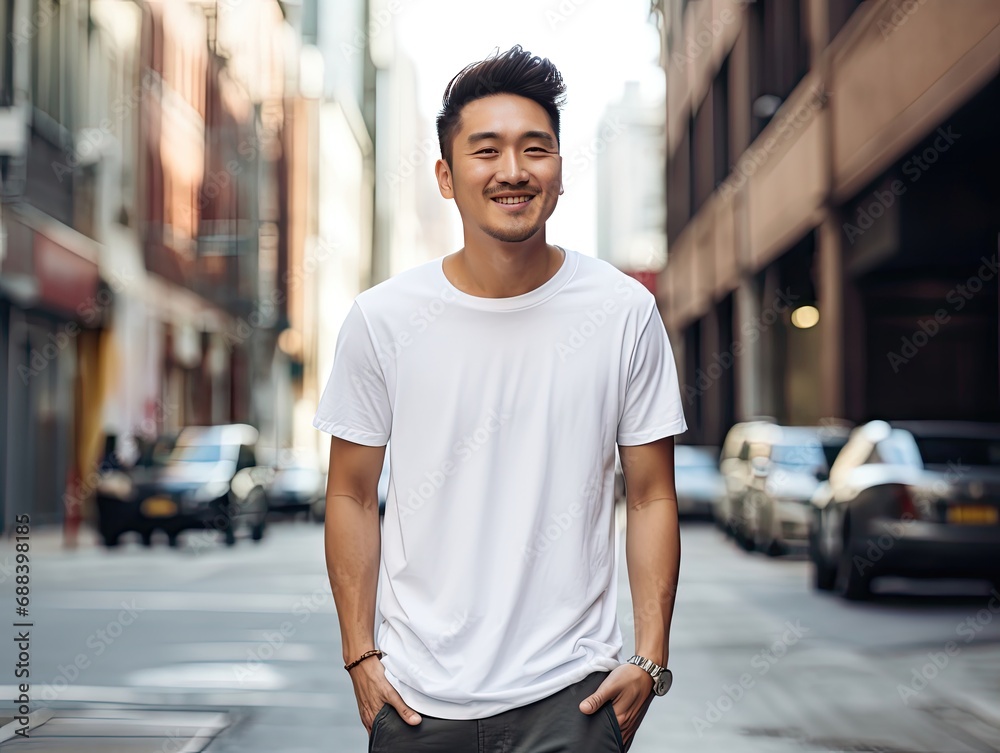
{"type": "Point", "coordinates": [355, 404]}
{"type": "Point", "coordinates": [652, 407]}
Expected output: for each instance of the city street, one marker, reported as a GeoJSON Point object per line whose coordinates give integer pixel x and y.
{"type": "Point", "coordinates": [761, 662]}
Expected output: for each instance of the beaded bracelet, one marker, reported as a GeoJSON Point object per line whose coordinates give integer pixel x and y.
{"type": "Point", "coordinates": [365, 655]}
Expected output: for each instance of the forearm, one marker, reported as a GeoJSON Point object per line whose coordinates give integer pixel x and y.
{"type": "Point", "coordinates": [353, 542]}
{"type": "Point", "coordinates": [653, 552]}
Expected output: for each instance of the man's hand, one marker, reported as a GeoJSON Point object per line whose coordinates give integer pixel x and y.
{"type": "Point", "coordinates": [373, 691]}
{"type": "Point", "coordinates": [630, 689]}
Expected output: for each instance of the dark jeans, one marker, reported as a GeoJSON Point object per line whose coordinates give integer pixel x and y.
{"type": "Point", "coordinates": [550, 725]}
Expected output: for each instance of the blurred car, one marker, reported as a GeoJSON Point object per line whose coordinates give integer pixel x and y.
{"type": "Point", "coordinates": [209, 479]}
{"type": "Point", "coordinates": [319, 506]}
{"type": "Point", "coordinates": [787, 464]}
{"type": "Point", "coordinates": [912, 499]}
{"type": "Point", "coordinates": [734, 467]}
{"type": "Point", "coordinates": [295, 488]}
{"type": "Point", "coordinates": [699, 484]}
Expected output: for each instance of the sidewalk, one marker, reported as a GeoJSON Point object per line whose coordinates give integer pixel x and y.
{"type": "Point", "coordinates": [114, 730]}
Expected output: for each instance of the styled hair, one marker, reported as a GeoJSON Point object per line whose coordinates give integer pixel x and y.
{"type": "Point", "coordinates": [515, 71]}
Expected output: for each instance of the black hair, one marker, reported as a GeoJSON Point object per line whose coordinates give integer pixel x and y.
{"type": "Point", "coordinates": [515, 71]}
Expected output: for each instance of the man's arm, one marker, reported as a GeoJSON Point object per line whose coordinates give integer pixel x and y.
{"type": "Point", "coordinates": [652, 551]}
{"type": "Point", "coordinates": [652, 543]}
{"type": "Point", "coordinates": [353, 541]}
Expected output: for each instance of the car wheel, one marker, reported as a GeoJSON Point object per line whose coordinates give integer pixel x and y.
{"type": "Point", "coordinates": [229, 533]}
{"type": "Point", "coordinates": [110, 539]}
{"type": "Point", "coordinates": [850, 582]}
{"type": "Point", "coordinates": [257, 532]}
{"type": "Point", "coordinates": [995, 582]}
{"type": "Point", "coordinates": [775, 549]}
{"type": "Point", "coordinates": [147, 538]}
{"type": "Point", "coordinates": [824, 575]}
{"type": "Point", "coordinates": [173, 539]}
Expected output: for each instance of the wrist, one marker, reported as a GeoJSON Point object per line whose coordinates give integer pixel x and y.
{"type": "Point", "coordinates": [361, 658]}
{"type": "Point", "coordinates": [353, 650]}
{"type": "Point", "coordinates": [660, 657]}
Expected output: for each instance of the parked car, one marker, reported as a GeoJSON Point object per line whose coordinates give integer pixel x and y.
{"type": "Point", "coordinates": [209, 479]}
{"type": "Point", "coordinates": [696, 476]}
{"type": "Point", "coordinates": [787, 464]}
{"type": "Point", "coordinates": [319, 506]}
{"type": "Point", "coordinates": [912, 499]}
{"type": "Point", "coordinates": [734, 467]}
{"type": "Point", "coordinates": [294, 488]}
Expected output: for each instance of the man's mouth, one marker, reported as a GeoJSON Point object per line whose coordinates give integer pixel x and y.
{"type": "Point", "coordinates": [513, 199]}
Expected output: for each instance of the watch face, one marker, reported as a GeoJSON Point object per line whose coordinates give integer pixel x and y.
{"type": "Point", "coordinates": [663, 682]}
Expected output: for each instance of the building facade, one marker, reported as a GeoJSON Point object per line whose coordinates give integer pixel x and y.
{"type": "Point", "coordinates": [832, 158]}
{"type": "Point", "coordinates": [149, 216]}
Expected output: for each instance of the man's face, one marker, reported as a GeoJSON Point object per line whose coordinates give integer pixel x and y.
{"type": "Point", "coordinates": [506, 171]}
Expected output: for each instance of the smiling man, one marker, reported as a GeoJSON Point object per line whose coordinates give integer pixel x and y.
{"type": "Point", "coordinates": [482, 615]}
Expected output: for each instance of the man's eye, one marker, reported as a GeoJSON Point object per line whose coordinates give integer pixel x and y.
{"type": "Point", "coordinates": [487, 149]}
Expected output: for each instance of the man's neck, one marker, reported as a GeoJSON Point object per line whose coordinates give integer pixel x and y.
{"type": "Point", "coordinates": [502, 270]}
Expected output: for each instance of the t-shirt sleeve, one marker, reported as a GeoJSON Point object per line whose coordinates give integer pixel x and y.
{"type": "Point", "coordinates": [652, 408]}
{"type": "Point", "coordinates": [355, 404]}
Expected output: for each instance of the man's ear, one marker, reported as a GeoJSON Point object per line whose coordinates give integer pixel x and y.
{"type": "Point", "coordinates": [443, 173]}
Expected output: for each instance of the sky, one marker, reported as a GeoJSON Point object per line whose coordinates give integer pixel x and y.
{"type": "Point", "coordinates": [597, 45]}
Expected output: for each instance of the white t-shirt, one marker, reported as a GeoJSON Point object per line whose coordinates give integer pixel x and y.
{"type": "Point", "coordinates": [497, 580]}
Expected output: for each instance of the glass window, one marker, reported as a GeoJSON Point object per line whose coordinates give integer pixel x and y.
{"type": "Point", "coordinates": [196, 453]}
{"type": "Point", "coordinates": [959, 451]}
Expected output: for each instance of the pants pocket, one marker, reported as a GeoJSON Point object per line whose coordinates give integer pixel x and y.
{"type": "Point", "coordinates": [610, 710]}
{"type": "Point", "coordinates": [376, 722]}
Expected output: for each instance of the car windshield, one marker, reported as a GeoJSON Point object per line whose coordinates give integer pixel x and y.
{"type": "Point", "coordinates": [800, 457]}
{"type": "Point", "coordinates": [196, 453]}
{"type": "Point", "coordinates": [959, 451]}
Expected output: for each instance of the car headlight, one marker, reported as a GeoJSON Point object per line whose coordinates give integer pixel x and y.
{"type": "Point", "coordinates": [115, 485]}
{"type": "Point", "coordinates": [211, 491]}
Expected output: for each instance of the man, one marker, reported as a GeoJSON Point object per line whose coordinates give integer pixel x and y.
{"type": "Point", "coordinates": [503, 374]}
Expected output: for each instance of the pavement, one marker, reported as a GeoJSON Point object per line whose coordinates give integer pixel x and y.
{"type": "Point", "coordinates": [762, 663]}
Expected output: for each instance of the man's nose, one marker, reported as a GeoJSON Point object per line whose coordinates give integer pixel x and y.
{"type": "Point", "coordinates": [510, 169]}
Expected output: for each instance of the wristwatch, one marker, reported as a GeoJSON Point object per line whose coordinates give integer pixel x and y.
{"type": "Point", "coordinates": [663, 678]}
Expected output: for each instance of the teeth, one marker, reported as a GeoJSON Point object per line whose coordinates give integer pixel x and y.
{"type": "Point", "coordinates": [512, 199]}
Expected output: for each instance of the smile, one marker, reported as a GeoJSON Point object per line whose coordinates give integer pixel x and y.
{"type": "Point", "coordinates": [513, 199]}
